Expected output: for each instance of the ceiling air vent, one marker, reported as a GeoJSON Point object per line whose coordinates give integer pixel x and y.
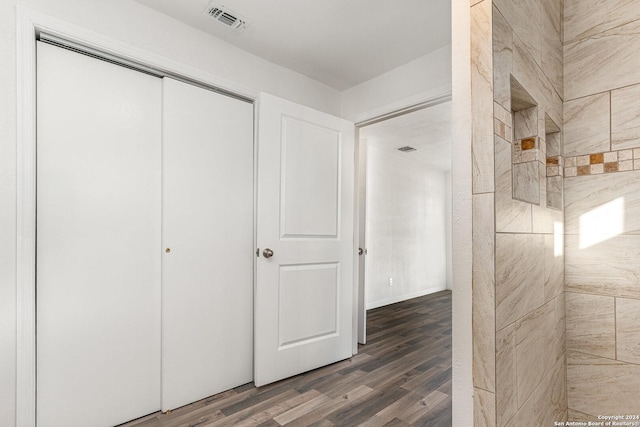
{"type": "Point", "coordinates": [227, 17]}
{"type": "Point", "coordinates": [406, 149]}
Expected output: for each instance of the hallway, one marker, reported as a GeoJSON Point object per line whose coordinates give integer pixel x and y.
{"type": "Point", "coordinates": [401, 377]}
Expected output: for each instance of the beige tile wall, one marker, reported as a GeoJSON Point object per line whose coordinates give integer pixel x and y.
{"type": "Point", "coordinates": [581, 20]}
{"type": "Point", "coordinates": [551, 16]}
{"type": "Point", "coordinates": [599, 386]}
{"type": "Point", "coordinates": [483, 408]}
{"type": "Point", "coordinates": [603, 61]}
{"type": "Point", "coordinates": [481, 98]}
{"type": "Point", "coordinates": [518, 256]}
{"type": "Point", "coordinates": [511, 215]}
{"type": "Point", "coordinates": [628, 330]}
{"type": "Point", "coordinates": [602, 274]}
{"type": "Point", "coordinates": [598, 262]}
{"type": "Point", "coordinates": [532, 352]}
{"type": "Point", "coordinates": [553, 267]}
{"type": "Point", "coordinates": [617, 200]}
{"type": "Point", "coordinates": [602, 206]}
{"type": "Point", "coordinates": [529, 285]}
{"type": "Point", "coordinates": [586, 125]}
{"type": "Point", "coordinates": [506, 375]}
{"type": "Point", "coordinates": [519, 276]}
{"type": "Point", "coordinates": [591, 324]}
{"type": "Point", "coordinates": [483, 185]}
{"type": "Point", "coordinates": [547, 404]}
{"type": "Point", "coordinates": [625, 120]}
{"type": "Point", "coordinates": [484, 370]}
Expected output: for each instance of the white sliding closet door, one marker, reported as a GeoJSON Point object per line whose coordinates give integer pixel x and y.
{"type": "Point", "coordinates": [98, 244]}
{"type": "Point", "coordinates": [207, 267]}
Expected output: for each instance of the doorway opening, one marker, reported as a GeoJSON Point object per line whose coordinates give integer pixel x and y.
{"type": "Point", "coordinates": [404, 202]}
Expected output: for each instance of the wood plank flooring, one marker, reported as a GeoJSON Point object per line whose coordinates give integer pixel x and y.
{"type": "Point", "coordinates": [401, 377]}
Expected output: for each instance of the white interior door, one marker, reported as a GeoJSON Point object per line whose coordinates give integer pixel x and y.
{"type": "Point", "coordinates": [98, 244]}
{"type": "Point", "coordinates": [208, 236]}
{"type": "Point", "coordinates": [304, 291]}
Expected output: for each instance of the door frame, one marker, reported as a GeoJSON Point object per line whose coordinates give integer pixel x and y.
{"type": "Point", "coordinates": [29, 24]}
{"type": "Point", "coordinates": [419, 102]}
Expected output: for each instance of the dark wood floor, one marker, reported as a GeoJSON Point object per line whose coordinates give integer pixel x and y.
{"type": "Point", "coordinates": [401, 377]}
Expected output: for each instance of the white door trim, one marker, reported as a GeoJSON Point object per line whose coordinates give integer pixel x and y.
{"type": "Point", "coordinates": [400, 108]}
{"type": "Point", "coordinates": [29, 24]}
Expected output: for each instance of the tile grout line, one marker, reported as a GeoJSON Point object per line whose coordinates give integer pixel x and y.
{"type": "Point", "coordinates": [610, 123]}
{"type": "Point", "coordinates": [494, 237]}
{"type": "Point", "coordinates": [615, 327]}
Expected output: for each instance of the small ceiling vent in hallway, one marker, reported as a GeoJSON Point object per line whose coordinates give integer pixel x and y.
{"type": "Point", "coordinates": [406, 149]}
{"type": "Point", "coordinates": [227, 17]}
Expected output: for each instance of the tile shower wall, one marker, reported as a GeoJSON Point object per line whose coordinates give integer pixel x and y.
{"type": "Point", "coordinates": [483, 250]}
{"type": "Point", "coordinates": [518, 264]}
{"type": "Point", "coordinates": [602, 206]}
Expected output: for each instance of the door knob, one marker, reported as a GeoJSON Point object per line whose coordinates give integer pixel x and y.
{"type": "Point", "coordinates": [267, 253]}
{"type": "Point", "coordinates": [360, 251]}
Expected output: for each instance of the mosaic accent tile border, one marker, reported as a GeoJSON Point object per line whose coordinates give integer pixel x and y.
{"type": "Point", "coordinates": [599, 163]}
{"type": "Point", "coordinates": [502, 130]}
{"type": "Point", "coordinates": [526, 150]}
{"type": "Point", "coordinates": [502, 123]}
{"type": "Point", "coordinates": [555, 166]}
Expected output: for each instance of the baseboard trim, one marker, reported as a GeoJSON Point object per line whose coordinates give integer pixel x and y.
{"type": "Point", "coordinates": [404, 297]}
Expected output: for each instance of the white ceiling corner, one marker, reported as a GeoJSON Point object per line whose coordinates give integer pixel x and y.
{"type": "Point", "coordinates": [340, 43]}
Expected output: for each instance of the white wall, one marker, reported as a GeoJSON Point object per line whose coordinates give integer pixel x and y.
{"type": "Point", "coordinates": [137, 25]}
{"type": "Point", "coordinates": [145, 28]}
{"type": "Point", "coordinates": [448, 230]}
{"type": "Point", "coordinates": [424, 78]}
{"type": "Point", "coordinates": [406, 228]}
{"type": "Point", "coordinates": [462, 347]}
{"type": "Point", "coordinates": [7, 217]}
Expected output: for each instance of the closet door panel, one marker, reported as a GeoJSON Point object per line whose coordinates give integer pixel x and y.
{"type": "Point", "coordinates": [207, 267]}
{"type": "Point", "coordinates": [98, 244]}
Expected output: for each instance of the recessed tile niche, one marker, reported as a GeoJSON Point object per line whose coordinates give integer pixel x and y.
{"type": "Point", "coordinates": [555, 164]}
{"type": "Point", "coordinates": [526, 153]}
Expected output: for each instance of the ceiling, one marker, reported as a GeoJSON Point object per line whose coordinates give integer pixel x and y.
{"type": "Point", "coordinates": [428, 130]}
{"type": "Point", "coordinates": [338, 42]}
